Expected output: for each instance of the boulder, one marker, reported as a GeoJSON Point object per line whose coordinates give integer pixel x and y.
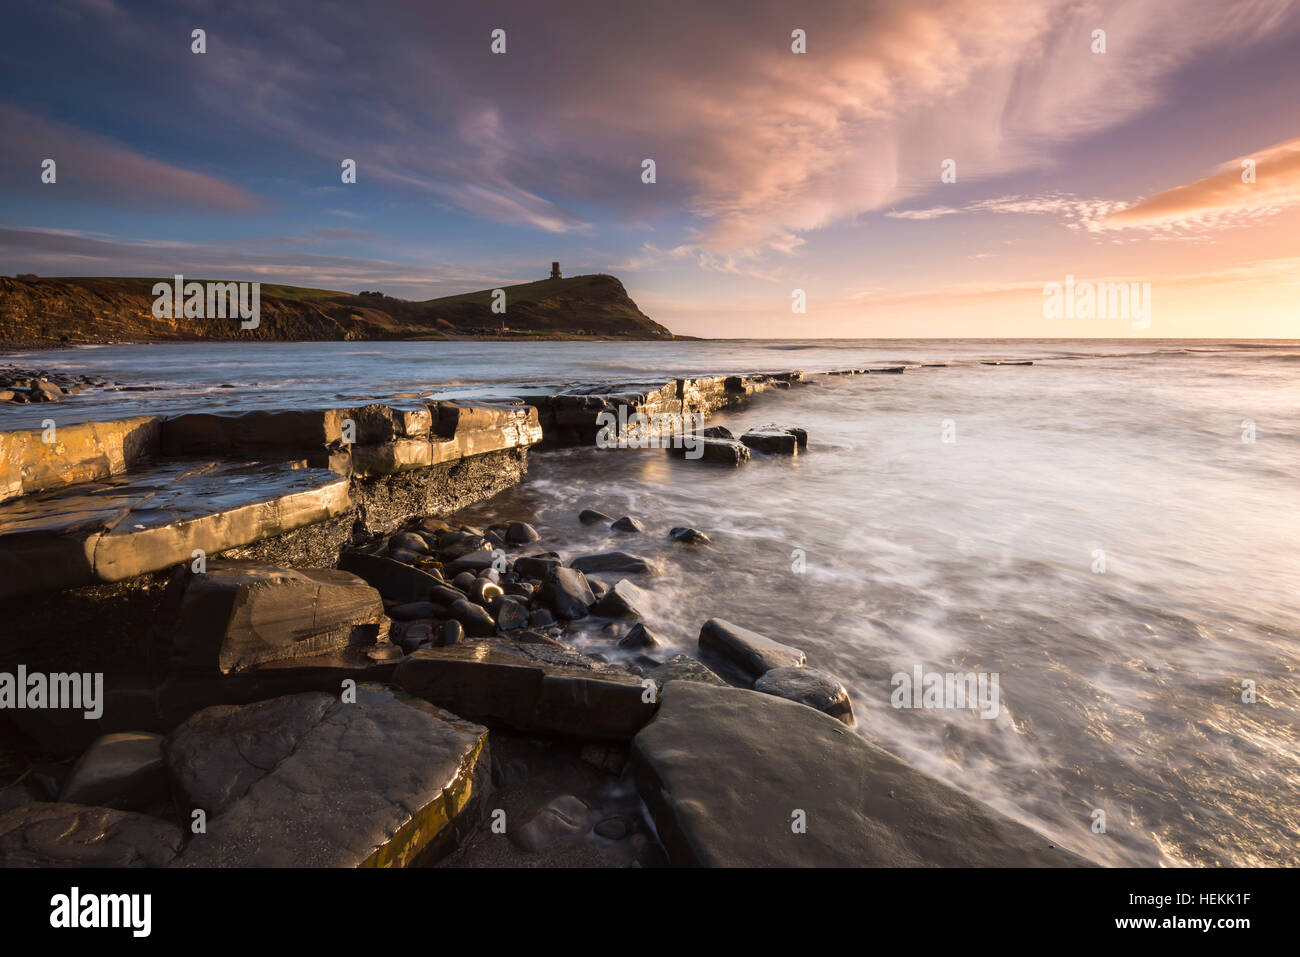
{"type": "Point", "coordinates": [476, 619]}
{"type": "Point", "coordinates": [240, 614]}
{"type": "Point", "coordinates": [750, 652]}
{"type": "Point", "coordinates": [775, 440]}
{"type": "Point", "coordinates": [512, 616]}
{"type": "Point", "coordinates": [520, 533]}
{"type": "Point", "coordinates": [624, 600]}
{"type": "Point", "coordinates": [688, 536]}
{"type": "Point", "coordinates": [639, 638]}
{"type": "Point", "coordinates": [417, 609]}
{"type": "Point", "coordinates": [627, 524]}
{"type": "Point", "coordinates": [726, 773]}
{"type": "Point", "coordinates": [590, 516]}
{"type": "Point", "coordinates": [453, 633]}
{"type": "Point", "coordinates": [565, 818]}
{"type": "Point", "coordinates": [809, 686]}
{"type": "Point", "coordinates": [537, 567]}
{"type": "Point", "coordinates": [124, 771]}
{"type": "Point", "coordinates": [74, 835]}
{"type": "Point", "coordinates": [566, 592]}
{"type": "Point", "coordinates": [393, 579]}
{"type": "Point", "coordinates": [611, 562]}
{"type": "Point", "coordinates": [309, 780]}
{"type": "Point", "coordinates": [719, 451]}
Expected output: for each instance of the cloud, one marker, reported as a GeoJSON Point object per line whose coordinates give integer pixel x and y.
{"type": "Point", "coordinates": [103, 171]}
{"type": "Point", "coordinates": [1222, 199]}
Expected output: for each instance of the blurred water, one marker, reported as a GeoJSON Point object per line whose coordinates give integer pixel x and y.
{"type": "Point", "coordinates": [1120, 690]}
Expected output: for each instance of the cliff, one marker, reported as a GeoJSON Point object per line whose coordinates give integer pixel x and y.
{"type": "Point", "coordinates": [36, 311]}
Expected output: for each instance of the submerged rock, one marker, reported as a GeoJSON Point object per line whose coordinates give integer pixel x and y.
{"type": "Point", "coordinates": [611, 562]}
{"type": "Point", "coordinates": [565, 818]}
{"type": "Point", "coordinates": [688, 536]}
{"type": "Point", "coordinates": [627, 524]}
{"type": "Point", "coordinates": [727, 773]}
{"type": "Point", "coordinates": [311, 781]}
{"type": "Point", "coordinates": [776, 440]}
{"type": "Point", "coordinates": [590, 516]}
{"type": "Point", "coordinates": [812, 687]}
{"type": "Point", "coordinates": [639, 638]}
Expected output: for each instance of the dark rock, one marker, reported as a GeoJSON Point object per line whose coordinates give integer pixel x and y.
{"type": "Point", "coordinates": [471, 562]}
{"type": "Point", "coordinates": [482, 591]}
{"type": "Point", "coordinates": [624, 600]}
{"type": "Point", "coordinates": [718, 451]}
{"type": "Point", "coordinates": [405, 555]}
{"type": "Point", "coordinates": [418, 609]}
{"type": "Point", "coordinates": [639, 638]}
{"type": "Point", "coordinates": [312, 781]}
{"type": "Point", "coordinates": [567, 593]}
{"type": "Point", "coordinates": [689, 536]}
{"type": "Point", "coordinates": [537, 567]}
{"type": "Point", "coordinates": [74, 835]}
{"type": "Point", "coordinates": [599, 589]}
{"type": "Point", "coordinates": [464, 581]}
{"type": "Point", "coordinates": [409, 541]}
{"type": "Point", "coordinates": [811, 687]}
{"type": "Point", "coordinates": [774, 440]}
{"type": "Point", "coordinates": [521, 533]}
{"type": "Point", "coordinates": [518, 589]}
{"type": "Point", "coordinates": [749, 651]}
{"type": "Point", "coordinates": [240, 614]}
{"type": "Point", "coordinates": [724, 772]}
{"type": "Point", "coordinates": [682, 668]}
{"type": "Point", "coordinates": [123, 771]}
{"type": "Point", "coordinates": [565, 818]}
{"type": "Point", "coordinates": [627, 524]}
{"type": "Point", "coordinates": [417, 633]}
{"type": "Point", "coordinates": [453, 633]}
{"type": "Point", "coordinates": [540, 618]}
{"type": "Point", "coordinates": [589, 516]}
{"type": "Point", "coordinates": [475, 618]}
{"type": "Point", "coordinates": [446, 594]}
{"type": "Point", "coordinates": [394, 580]}
{"type": "Point", "coordinates": [614, 828]}
{"type": "Point", "coordinates": [611, 562]}
{"type": "Point", "coordinates": [513, 615]}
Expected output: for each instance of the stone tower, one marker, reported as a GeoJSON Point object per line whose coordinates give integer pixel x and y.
{"type": "Point", "coordinates": [555, 270]}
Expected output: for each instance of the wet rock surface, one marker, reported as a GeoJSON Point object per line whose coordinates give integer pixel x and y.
{"type": "Point", "coordinates": [125, 771]}
{"type": "Point", "coordinates": [728, 772]}
{"type": "Point", "coordinates": [752, 654]}
{"type": "Point", "coordinates": [811, 687]}
{"type": "Point", "coordinates": [313, 781]}
{"type": "Point", "coordinates": [76, 835]}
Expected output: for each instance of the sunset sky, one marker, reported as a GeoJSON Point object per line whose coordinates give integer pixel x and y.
{"type": "Point", "coordinates": [775, 170]}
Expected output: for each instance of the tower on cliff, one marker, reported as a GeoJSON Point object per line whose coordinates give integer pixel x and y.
{"type": "Point", "coordinates": [555, 270]}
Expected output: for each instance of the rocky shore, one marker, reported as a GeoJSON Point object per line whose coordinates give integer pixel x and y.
{"type": "Point", "coordinates": [305, 659]}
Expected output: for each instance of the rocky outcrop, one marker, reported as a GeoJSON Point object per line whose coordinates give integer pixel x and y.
{"type": "Point", "coordinates": [314, 781]}
{"type": "Point", "coordinates": [736, 778]}
{"type": "Point", "coordinates": [236, 615]}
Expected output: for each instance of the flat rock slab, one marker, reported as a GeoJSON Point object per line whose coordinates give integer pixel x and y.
{"type": "Point", "coordinates": [776, 440]}
{"type": "Point", "coordinates": [145, 521]}
{"type": "Point", "coordinates": [240, 614]}
{"type": "Point", "coordinates": [725, 772]}
{"type": "Point", "coordinates": [311, 781]}
{"type": "Point", "coordinates": [720, 451]}
{"type": "Point", "coordinates": [394, 580]}
{"type": "Point", "coordinates": [751, 653]}
{"type": "Point", "coordinates": [529, 687]}
{"type": "Point", "coordinates": [74, 835]}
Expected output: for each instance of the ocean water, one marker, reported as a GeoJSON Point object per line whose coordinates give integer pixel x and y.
{"type": "Point", "coordinates": [1120, 686]}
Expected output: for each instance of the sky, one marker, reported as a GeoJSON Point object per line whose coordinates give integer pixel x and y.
{"type": "Point", "coordinates": [920, 169]}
